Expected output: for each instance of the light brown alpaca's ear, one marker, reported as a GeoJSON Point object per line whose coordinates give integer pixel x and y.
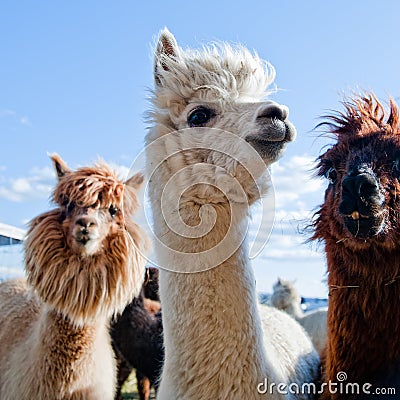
{"type": "Point", "coordinates": [135, 181]}
{"type": "Point", "coordinates": [167, 51]}
{"type": "Point", "coordinates": [60, 166]}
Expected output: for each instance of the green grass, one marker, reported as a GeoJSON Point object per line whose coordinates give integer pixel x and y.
{"type": "Point", "coordinates": [129, 390]}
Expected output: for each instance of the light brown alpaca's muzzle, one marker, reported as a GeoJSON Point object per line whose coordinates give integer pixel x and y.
{"type": "Point", "coordinates": [86, 233]}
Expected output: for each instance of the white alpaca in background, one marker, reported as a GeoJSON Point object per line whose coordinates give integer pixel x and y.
{"type": "Point", "coordinates": [286, 298]}
{"type": "Point", "coordinates": [217, 345]}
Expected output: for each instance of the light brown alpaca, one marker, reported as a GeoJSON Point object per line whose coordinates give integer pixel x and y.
{"type": "Point", "coordinates": [84, 263]}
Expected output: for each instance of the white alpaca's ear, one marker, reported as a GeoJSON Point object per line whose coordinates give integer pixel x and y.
{"type": "Point", "coordinates": [167, 50]}
{"type": "Point", "coordinates": [135, 181]}
{"type": "Point", "coordinates": [60, 165]}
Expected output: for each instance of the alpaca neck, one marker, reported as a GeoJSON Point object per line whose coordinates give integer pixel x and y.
{"type": "Point", "coordinates": [362, 329]}
{"type": "Point", "coordinates": [209, 314]}
{"type": "Point", "coordinates": [294, 309]}
{"type": "Point", "coordinates": [74, 339]}
{"type": "Point", "coordinates": [62, 357]}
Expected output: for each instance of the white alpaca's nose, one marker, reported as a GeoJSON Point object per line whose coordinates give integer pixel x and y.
{"type": "Point", "coordinates": [273, 110]}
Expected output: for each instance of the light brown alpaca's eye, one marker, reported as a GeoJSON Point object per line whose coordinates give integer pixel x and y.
{"type": "Point", "coordinates": [70, 207]}
{"type": "Point", "coordinates": [113, 211]}
{"type": "Point", "coordinates": [331, 174]}
{"type": "Point", "coordinates": [200, 116]}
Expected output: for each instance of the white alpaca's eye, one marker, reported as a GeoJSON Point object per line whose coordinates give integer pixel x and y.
{"type": "Point", "coordinates": [113, 211]}
{"type": "Point", "coordinates": [200, 116]}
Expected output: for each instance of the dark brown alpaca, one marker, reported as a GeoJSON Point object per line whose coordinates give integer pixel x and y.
{"type": "Point", "coordinates": [137, 338]}
{"type": "Point", "coordinates": [359, 224]}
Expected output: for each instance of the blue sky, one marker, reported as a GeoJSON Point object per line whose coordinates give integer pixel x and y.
{"type": "Point", "coordinates": [74, 77]}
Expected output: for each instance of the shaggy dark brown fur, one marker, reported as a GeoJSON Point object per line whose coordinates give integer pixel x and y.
{"type": "Point", "coordinates": [360, 227]}
{"type": "Point", "coordinates": [150, 287]}
{"type": "Point", "coordinates": [138, 339]}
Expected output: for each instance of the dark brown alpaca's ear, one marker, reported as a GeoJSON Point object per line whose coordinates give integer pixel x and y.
{"type": "Point", "coordinates": [393, 120]}
{"type": "Point", "coordinates": [135, 181]}
{"type": "Point", "coordinates": [60, 166]}
{"type": "Point", "coordinates": [167, 51]}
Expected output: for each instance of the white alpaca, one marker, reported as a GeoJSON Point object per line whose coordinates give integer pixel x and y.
{"type": "Point", "coordinates": [217, 345]}
{"type": "Point", "coordinates": [83, 264]}
{"type": "Point", "coordinates": [286, 298]}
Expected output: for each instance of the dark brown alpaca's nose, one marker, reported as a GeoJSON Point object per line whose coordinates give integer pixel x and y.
{"type": "Point", "coordinates": [360, 192]}
{"type": "Point", "coordinates": [362, 204]}
{"type": "Point", "coordinates": [360, 186]}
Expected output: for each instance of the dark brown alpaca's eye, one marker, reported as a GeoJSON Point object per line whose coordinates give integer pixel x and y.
{"type": "Point", "coordinates": [200, 116]}
{"type": "Point", "coordinates": [113, 211]}
{"type": "Point", "coordinates": [396, 164]}
{"type": "Point", "coordinates": [331, 174]}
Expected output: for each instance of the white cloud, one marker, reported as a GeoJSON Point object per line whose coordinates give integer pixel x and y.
{"type": "Point", "coordinates": [21, 119]}
{"type": "Point", "coordinates": [39, 174]}
{"type": "Point", "coordinates": [21, 185]}
{"type": "Point", "coordinates": [123, 172]}
{"type": "Point", "coordinates": [25, 121]}
{"type": "Point", "coordinates": [7, 113]}
{"type": "Point", "coordinates": [294, 183]}
{"type": "Point", "coordinates": [8, 194]}
{"type": "Point", "coordinates": [297, 194]}
{"type": "Point", "coordinates": [37, 184]}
